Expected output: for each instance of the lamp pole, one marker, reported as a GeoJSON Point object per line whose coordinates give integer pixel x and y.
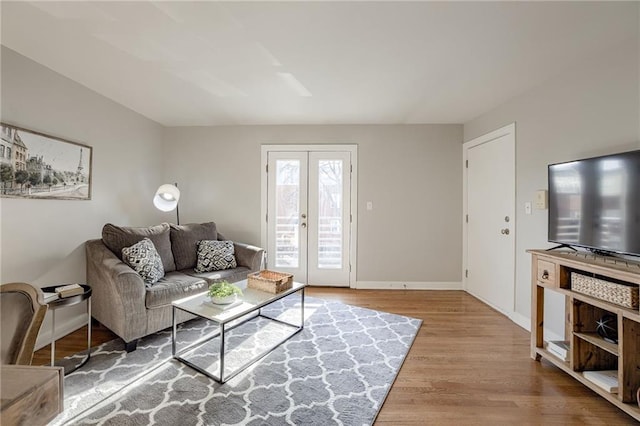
{"type": "Point", "coordinates": [177, 208]}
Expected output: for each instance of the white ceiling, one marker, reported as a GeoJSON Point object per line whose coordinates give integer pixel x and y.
{"type": "Point", "coordinates": [213, 63]}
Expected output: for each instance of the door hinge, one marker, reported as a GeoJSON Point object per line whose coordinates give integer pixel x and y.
{"type": "Point", "coordinates": [466, 164]}
{"type": "Point", "coordinates": [351, 168]}
{"type": "Point", "coordinates": [466, 273]}
{"type": "Point", "coordinates": [351, 218]}
{"type": "Point", "coordinates": [266, 217]}
{"type": "Point", "coordinates": [266, 168]}
{"type": "Point", "coordinates": [467, 218]}
{"type": "Point", "coordinates": [349, 267]}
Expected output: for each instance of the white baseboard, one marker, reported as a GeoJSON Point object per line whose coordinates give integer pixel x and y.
{"type": "Point", "coordinates": [521, 320]}
{"type": "Point", "coordinates": [64, 326]}
{"type": "Point", "coordinates": [408, 285]}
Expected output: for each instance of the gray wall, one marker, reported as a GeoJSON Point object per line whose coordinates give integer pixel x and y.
{"type": "Point", "coordinates": [43, 240]}
{"type": "Point", "coordinates": [412, 174]}
{"type": "Point", "coordinates": [591, 109]}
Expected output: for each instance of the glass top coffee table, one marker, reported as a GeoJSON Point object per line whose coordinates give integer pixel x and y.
{"type": "Point", "coordinates": [248, 307]}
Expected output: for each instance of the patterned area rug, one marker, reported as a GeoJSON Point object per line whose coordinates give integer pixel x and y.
{"type": "Point", "coordinates": [337, 370]}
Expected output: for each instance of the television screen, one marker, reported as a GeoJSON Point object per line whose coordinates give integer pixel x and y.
{"type": "Point", "coordinates": [595, 203]}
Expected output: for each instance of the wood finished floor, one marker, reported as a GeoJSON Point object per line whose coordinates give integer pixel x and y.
{"type": "Point", "coordinates": [468, 365]}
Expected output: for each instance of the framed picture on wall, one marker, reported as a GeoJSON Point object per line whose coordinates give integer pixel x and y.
{"type": "Point", "coordinates": [35, 165]}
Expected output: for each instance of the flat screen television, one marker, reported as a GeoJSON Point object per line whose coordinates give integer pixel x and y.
{"type": "Point", "coordinates": [594, 203]}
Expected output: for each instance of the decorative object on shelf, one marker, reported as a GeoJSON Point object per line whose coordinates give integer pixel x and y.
{"type": "Point", "coordinates": [620, 294]}
{"type": "Point", "coordinates": [166, 199]}
{"type": "Point", "coordinates": [607, 328]}
{"type": "Point", "coordinates": [223, 293]}
{"type": "Point", "coordinates": [605, 379]}
{"type": "Point", "coordinates": [35, 165]}
{"type": "Point", "coordinates": [560, 348]}
{"type": "Point", "coordinates": [270, 281]}
{"type": "Point", "coordinates": [69, 290]}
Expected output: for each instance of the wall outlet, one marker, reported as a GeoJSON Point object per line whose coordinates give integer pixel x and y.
{"type": "Point", "coordinates": [369, 205]}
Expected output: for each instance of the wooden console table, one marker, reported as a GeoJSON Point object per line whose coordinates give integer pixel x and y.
{"type": "Point", "coordinates": [551, 270]}
{"type": "Point", "coordinates": [30, 395]}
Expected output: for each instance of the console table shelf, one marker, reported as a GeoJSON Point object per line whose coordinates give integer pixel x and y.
{"type": "Point", "coordinates": [588, 351]}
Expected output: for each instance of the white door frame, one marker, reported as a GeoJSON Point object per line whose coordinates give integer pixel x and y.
{"type": "Point", "coordinates": [508, 130]}
{"type": "Point", "coordinates": [353, 234]}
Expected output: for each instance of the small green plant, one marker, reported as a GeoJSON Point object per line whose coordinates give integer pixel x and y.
{"type": "Point", "coordinates": [223, 289]}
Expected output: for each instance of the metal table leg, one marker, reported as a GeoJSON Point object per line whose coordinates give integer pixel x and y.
{"type": "Point", "coordinates": [53, 337]}
{"type": "Point", "coordinates": [88, 329]}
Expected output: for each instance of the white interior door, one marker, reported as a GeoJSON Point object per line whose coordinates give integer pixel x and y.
{"type": "Point", "coordinates": [308, 216]}
{"type": "Point", "coordinates": [490, 226]}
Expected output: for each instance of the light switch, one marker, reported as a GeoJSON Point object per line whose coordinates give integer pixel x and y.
{"type": "Point", "coordinates": [541, 199]}
{"type": "Point", "coordinates": [527, 207]}
{"type": "Point", "coordinates": [369, 205]}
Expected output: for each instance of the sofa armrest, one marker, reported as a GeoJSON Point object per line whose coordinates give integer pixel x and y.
{"type": "Point", "coordinates": [118, 292]}
{"type": "Point", "coordinates": [249, 256]}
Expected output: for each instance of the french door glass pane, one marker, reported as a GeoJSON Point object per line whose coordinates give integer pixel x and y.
{"type": "Point", "coordinates": [287, 213]}
{"type": "Point", "coordinates": [330, 214]}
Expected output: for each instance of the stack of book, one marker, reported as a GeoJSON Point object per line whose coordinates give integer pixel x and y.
{"type": "Point", "coordinates": [559, 348]}
{"type": "Point", "coordinates": [69, 290]}
{"type": "Point", "coordinates": [606, 379]}
{"type": "Point", "coordinates": [49, 297]}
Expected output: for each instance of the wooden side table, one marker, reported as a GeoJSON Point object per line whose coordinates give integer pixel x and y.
{"type": "Point", "coordinates": [59, 303]}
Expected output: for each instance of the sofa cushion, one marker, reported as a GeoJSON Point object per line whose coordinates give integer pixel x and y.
{"type": "Point", "coordinates": [118, 237]}
{"type": "Point", "coordinates": [145, 260]}
{"type": "Point", "coordinates": [173, 286]}
{"type": "Point", "coordinates": [231, 275]}
{"type": "Point", "coordinates": [184, 242]}
{"type": "Point", "coordinates": [214, 255]}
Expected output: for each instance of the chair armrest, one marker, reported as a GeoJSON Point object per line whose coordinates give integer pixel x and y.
{"type": "Point", "coordinates": [118, 292]}
{"type": "Point", "coordinates": [249, 256]}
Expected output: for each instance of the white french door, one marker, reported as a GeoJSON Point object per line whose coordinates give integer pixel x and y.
{"type": "Point", "coordinates": [308, 215]}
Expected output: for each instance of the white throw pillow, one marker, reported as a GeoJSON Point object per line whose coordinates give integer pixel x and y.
{"type": "Point", "coordinates": [145, 260]}
{"type": "Point", "coordinates": [215, 255]}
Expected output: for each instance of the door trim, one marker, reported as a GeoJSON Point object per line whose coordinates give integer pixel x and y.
{"type": "Point", "coordinates": [353, 234]}
{"type": "Point", "coordinates": [508, 130]}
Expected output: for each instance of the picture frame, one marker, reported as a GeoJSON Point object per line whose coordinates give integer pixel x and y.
{"type": "Point", "coordinates": [40, 166]}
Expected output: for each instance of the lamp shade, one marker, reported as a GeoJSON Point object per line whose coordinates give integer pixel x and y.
{"type": "Point", "coordinates": [167, 197]}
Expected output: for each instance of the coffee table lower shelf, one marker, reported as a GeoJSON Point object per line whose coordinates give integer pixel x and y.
{"type": "Point", "coordinates": [225, 327]}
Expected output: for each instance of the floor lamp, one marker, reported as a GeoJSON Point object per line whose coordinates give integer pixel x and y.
{"type": "Point", "coordinates": [166, 199]}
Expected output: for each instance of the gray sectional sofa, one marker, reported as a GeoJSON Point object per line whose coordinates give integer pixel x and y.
{"type": "Point", "coordinates": [132, 309]}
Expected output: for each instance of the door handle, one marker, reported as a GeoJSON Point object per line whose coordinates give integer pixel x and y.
{"type": "Point", "coordinates": [504, 231]}
{"type": "Point", "coordinates": [304, 225]}
{"type": "Point", "coordinates": [304, 216]}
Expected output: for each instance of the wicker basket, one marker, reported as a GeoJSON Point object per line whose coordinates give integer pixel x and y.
{"type": "Point", "coordinates": [620, 294]}
{"type": "Point", "coordinates": [270, 281]}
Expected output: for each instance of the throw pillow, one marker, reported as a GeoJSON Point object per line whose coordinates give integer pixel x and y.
{"type": "Point", "coordinates": [215, 255]}
{"type": "Point", "coordinates": [145, 260]}
{"type": "Point", "coordinates": [184, 242]}
{"type": "Point", "coordinates": [118, 237]}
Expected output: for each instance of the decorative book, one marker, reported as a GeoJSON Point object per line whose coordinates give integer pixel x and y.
{"type": "Point", "coordinates": [69, 290]}
{"type": "Point", "coordinates": [559, 348]}
{"type": "Point", "coordinates": [606, 379]}
{"type": "Point", "coordinates": [49, 297]}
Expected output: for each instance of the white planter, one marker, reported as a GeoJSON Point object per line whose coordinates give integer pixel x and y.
{"type": "Point", "coordinates": [224, 300]}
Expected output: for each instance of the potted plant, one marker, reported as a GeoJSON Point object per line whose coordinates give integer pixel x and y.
{"type": "Point", "coordinates": [223, 292]}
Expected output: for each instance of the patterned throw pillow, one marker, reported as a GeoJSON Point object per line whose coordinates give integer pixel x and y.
{"type": "Point", "coordinates": [145, 260]}
{"type": "Point", "coordinates": [215, 255]}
